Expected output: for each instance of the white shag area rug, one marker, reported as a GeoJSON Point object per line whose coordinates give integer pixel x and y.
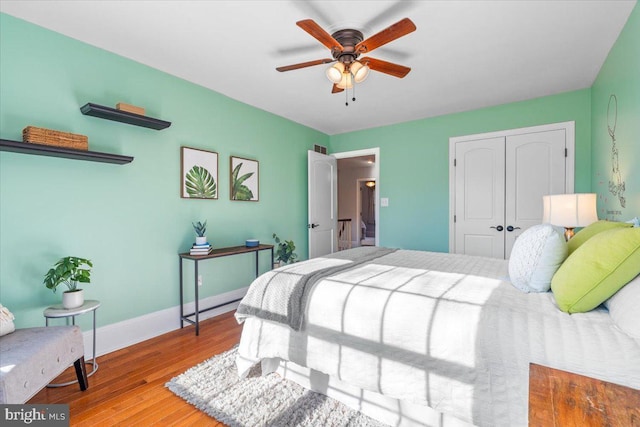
{"type": "Point", "coordinates": [214, 387]}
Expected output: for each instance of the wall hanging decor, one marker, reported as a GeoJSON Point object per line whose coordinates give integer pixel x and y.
{"type": "Point", "coordinates": [199, 174]}
{"type": "Point", "coordinates": [616, 184]}
{"type": "Point", "coordinates": [244, 179]}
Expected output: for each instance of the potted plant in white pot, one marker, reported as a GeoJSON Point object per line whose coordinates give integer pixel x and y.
{"type": "Point", "coordinates": [284, 251]}
{"type": "Point", "coordinates": [69, 271]}
{"type": "Point", "coordinates": [200, 229]}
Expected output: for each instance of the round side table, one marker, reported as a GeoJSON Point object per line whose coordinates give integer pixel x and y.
{"type": "Point", "coordinates": [58, 311]}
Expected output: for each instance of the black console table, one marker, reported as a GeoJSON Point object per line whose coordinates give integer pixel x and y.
{"type": "Point", "coordinates": [216, 253]}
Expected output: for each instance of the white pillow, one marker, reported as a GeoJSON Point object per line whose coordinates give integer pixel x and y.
{"type": "Point", "coordinates": [623, 308]}
{"type": "Point", "coordinates": [635, 221]}
{"type": "Point", "coordinates": [6, 321]}
{"type": "Point", "coordinates": [536, 255]}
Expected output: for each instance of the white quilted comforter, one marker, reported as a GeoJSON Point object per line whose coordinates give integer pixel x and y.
{"type": "Point", "coordinates": [448, 331]}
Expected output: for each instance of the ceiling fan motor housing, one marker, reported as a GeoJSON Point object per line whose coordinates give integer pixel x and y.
{"type": "Point", "coordinates": [348, 38]}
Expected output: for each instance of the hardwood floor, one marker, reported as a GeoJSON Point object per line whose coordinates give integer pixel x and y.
{"type": "Point", "coordinates": [128, 387]}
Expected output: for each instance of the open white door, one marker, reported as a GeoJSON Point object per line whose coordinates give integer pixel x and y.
{"type": "Point", "coordinates": [323, 204]}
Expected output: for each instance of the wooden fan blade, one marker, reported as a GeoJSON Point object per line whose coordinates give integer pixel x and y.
{"type": "Point", "coordinates": [386, 67]}
{"type": "Point", "coordinates": [316, 31]}
{"type": "Point", "coordinates": [305, 64]}
{"type": "Point", "coordinates": [336, 89]}
{"type": "Point", "coordinates": [397, 30]}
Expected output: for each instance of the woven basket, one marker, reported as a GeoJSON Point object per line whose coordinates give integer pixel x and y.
{"type": "Point", "coordinates": [43, 136]}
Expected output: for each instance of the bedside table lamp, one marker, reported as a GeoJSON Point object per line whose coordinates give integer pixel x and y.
{"type": "Point", "coordinates": [570, 211]}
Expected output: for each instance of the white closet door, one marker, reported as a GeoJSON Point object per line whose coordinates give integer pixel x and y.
{"type": "Point", "coordinates": [535, 166]}
{"type": "Point", "coordinates": [537, 161]}
{"type": "Point", "coordinates": [479, 200]}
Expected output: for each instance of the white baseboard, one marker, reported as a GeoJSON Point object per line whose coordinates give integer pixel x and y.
{"type": "Point", "coordinates": [132, 331]}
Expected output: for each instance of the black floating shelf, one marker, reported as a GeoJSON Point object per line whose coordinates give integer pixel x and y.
{"type": "Point", "coordinates": [109, 113]}
{"type": "Point", "coordinates": [67, 153]}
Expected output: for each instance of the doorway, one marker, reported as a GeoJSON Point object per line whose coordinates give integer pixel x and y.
{"type": "Point", "coordinates": [357, 201]}
{"type": "Point", "coordinates": [366, 233]}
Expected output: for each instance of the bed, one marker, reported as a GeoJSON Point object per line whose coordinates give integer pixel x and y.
{"type": "Point", "coordinates": [422, 338]}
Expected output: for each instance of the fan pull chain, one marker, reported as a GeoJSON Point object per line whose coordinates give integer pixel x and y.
{"type": "Point", "coordinates": [353, 79]}
{"type": "Point", "coordinates": [346, 90]}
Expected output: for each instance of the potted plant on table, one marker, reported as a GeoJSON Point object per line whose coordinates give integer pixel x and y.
{"type": "Point", "coordinates": [200, 229]}
{"type": "Point", "coordinates": [284, 251]}
{"type": "Point", "coordinates": [69, 270]}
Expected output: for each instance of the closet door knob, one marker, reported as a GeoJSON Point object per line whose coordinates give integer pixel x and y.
{"type": "Point", "coordinates": [499, 228]}
{"type": "Point", "coordinates": [511, 228]}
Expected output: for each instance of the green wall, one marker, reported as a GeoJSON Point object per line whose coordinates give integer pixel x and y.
{"type": "Point", "coordinates": [130, 220]}
{"type": "Point", "coordinates": [414, 157]}
{"type": "Point", "coordinates": [619, 76]}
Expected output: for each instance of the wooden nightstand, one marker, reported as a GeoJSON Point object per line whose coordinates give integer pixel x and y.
{"type": "Point", "coordinates": [559, 398]}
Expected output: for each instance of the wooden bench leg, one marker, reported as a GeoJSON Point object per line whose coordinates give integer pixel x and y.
{"type": "Point", "coordinates": [81, 373]}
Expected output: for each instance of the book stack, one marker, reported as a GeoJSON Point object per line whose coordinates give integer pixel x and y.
{"type": "Point", "coordinates": [204, 249]}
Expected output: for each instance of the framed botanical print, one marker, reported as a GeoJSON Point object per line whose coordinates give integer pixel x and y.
{"type": "Point", "coordinates": [199, 174]}
{"type": "Point", "coordinates": [244, 180]}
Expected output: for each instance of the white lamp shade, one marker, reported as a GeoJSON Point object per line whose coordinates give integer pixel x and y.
{"type": "Point", "coordinates": [570, 210]}
{"type": "Point", "coordinates": [359, 71]}
{"type": "Point", "coordinates": [334, 73]}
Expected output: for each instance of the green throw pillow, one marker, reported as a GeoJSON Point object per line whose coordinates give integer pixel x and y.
{"type": "Point", "coordinates": [597, 270]}
{"type": "Point", "coordinates": [591, 230]}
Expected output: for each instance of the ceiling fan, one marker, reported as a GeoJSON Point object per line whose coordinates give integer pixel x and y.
{"type": "Point", "coordinates": [346, 47]}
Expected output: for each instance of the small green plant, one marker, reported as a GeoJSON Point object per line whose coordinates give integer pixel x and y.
{"type": "Point", "coordinates": [69, 270]}
{"type": "Point", "coordinates": [200, 228]}
{"type": "Point", "coordinates": [284, 252]}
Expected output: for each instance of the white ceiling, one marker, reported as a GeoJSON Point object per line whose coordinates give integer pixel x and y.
{"type": "Point", "coordinates": [464, 55]}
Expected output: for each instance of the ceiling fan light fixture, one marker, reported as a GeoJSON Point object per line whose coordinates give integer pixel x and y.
{"type": "Point", "coordinates": [346, 45]}
{"type": "Point", "coordinates": [335, 72]}
{"type": "Point", "coordinates": [359, 71]}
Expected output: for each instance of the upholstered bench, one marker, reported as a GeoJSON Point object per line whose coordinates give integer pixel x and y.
{"type": "Point", "coordinates": [31, 358]}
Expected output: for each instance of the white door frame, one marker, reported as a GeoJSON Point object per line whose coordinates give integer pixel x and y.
{"type": "Point", "coordinates": [570, 160]}
{"type": "Point", "coordinates": [375, 152]}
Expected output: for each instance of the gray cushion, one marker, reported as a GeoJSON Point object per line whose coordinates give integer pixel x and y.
{"type": "Point", "coordinates": [31, 358]}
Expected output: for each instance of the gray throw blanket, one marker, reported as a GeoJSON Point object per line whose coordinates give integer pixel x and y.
{"type": "Point", "coordinates": [281, 295]}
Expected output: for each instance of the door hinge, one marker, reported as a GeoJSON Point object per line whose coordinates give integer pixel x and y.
{"type": "Point", "coordinates": [454, 163]}
{"type": "Point", "coordinates": [454, 218]}
{"type": "Point", "coordinates": [566, 152]}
